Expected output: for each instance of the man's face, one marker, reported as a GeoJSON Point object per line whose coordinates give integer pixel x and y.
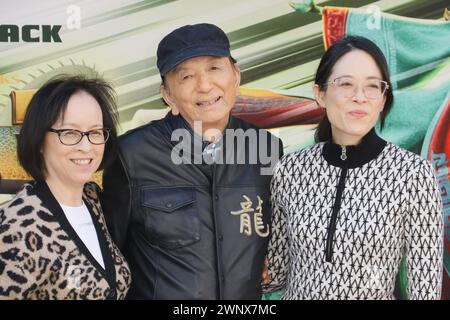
{"type": "Point", "coordinates": [203, 89]}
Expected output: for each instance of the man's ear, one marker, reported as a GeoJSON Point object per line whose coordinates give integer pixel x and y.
{"type": "Point", "coordinates": [165, 92]}
{"type": "Point", "coordinates": [237, 70]}
{"type": "Point", "coordinates": [318, 94]}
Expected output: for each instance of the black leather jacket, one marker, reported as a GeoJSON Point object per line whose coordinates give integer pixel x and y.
{"type": "Point", "coordinates": [174, 223]}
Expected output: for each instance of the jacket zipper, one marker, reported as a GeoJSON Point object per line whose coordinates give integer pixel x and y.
{"type": "Point", "coordinates": [219, 268]}
{"type": "Point", "coordinates": [336, 207]}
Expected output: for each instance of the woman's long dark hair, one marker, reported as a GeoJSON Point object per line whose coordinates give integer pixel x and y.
{"type": "Point", "coordinates": [329, 59]}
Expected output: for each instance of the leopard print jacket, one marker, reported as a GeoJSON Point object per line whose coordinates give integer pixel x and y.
{"type": "Point", "coordinates": [42, 257]}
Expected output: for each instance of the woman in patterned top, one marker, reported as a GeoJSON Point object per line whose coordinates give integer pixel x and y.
{"type": "Point", "coordinates": [347, 209]}
{"type": "Point", "coordinates": [53, 238]}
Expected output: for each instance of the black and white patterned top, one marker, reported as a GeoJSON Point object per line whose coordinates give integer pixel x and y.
{"type": "Point", "coordinates": [340, 227]}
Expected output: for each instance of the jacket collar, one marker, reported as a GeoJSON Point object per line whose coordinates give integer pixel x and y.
{"type": "Point", "coordinates": [42, 191]}
{"type": "Point", "coordinates": [178, 122]}
{"type": "Point", "coordinates": [211, 149]}
{"type": "Point", "coordinates": [368, 149]}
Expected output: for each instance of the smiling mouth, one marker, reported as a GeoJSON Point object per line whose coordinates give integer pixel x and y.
{"type": "Point", "coordinates": [208, 103]}
{"type": "Point", "coordinates": [81, 161]}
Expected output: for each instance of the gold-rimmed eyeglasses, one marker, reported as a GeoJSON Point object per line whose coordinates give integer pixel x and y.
{"type": "Point", "coordinates": [347, 87]}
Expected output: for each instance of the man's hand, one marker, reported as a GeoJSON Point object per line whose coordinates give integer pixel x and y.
{"type": "Point", "coordinates": [265, 272]}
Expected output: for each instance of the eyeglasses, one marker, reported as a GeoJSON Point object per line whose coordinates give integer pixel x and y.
{"type": "Point", "coordinates": [347, 87]}
{"type": "Point", "coordinates": [70, 137]}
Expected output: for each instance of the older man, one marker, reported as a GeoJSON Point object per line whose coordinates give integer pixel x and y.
{"type": "Point", "coordinates": [187, 200]}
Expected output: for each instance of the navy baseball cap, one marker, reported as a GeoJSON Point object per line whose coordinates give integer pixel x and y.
{"type": "Point", "coordinates": [191, 41]}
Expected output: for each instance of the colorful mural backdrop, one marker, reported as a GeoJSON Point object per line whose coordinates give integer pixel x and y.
{"type": "Point", "coordinates": [278, 45]}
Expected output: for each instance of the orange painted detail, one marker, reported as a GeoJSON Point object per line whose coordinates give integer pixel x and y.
{"type": "Point", "coordinates": [334, 22]}
{"type": "Point", "coordinates": [273, 111]}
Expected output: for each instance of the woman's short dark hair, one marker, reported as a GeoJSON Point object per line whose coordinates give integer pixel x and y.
{"type": "Point", "coordinates": [45, 108]}
{"type": "Point", "coordinates": [328, 61]}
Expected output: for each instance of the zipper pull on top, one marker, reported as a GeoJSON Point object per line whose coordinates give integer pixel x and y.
{"type": "Point", "coordinates": [343, 153]}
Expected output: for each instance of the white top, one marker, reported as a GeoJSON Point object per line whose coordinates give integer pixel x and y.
{"type": "Point", "coordinates": [81, 221]}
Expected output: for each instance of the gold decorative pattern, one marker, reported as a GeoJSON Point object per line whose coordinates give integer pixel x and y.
{"type": "Point", "coordinates": [245, 219]}
{"type": "Point", "coordinates": [19, 101]}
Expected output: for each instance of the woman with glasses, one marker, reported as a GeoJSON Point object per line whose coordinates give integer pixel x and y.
{"type": "Point", "coordinates": [54, 243]}
{"type": "Point", "coordinates": [347, 209]}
